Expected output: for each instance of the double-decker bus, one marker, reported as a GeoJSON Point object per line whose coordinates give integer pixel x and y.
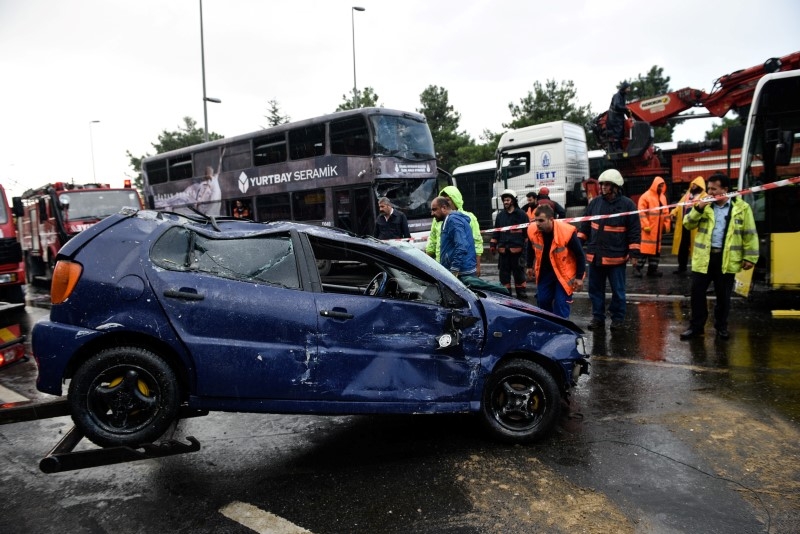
{"type": "Point", "coordinates": [328, 170]}
{"type": "Point", "coordinates": [771, 152]}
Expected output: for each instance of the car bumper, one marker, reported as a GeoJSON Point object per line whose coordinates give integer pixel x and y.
{"type": "Point", "coordinates": [53, 346]}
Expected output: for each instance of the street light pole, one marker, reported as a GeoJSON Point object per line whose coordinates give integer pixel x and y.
{"type": "Point", "coordinates": [206, 99]}
{"type": "Point", "coordinates": [91, 145]}
{"type": "Point", "coordinates": [353, 26]}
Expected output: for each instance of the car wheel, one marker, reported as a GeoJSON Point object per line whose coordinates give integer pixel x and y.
{"type": "Point", "coordinates": [124, 396]}
{"type": "Point", "coordinates": [521, 402]}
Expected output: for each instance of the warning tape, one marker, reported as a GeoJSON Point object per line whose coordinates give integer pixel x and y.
{"type": "Point", "coordinates": [709, 198]}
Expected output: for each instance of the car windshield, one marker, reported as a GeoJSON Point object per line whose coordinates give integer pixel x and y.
{"type": "Point", "coordinates": [97, 203]}
{"type": "Point", "coordinates": [402, 137]}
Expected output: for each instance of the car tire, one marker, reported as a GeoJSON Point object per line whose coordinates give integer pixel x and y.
{"type": "Point", "coordinates": [521, 402]}
{"type": "Point", "coordinates": [124, 396]}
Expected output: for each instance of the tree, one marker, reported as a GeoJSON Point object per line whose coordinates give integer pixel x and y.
{"type": "Point", "coordinates": [715, 133]}
{"type": "Point", "coordinates": [275, 118]}
{"type": "Point", "coordinates": [187, 134]}
{"type": "Point", "coordinates": [366, 99]}
{"type": "Point", "coordinates": [443, 122]}
{"type": "Point", "coordinates": [654, 83]}
{"type": "Point", "coordinates": [553, 102]}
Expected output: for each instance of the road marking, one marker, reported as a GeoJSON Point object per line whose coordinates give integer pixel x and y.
{"type": "Point", "coordinates": [8, 396]}
{"type": "Point", "coordinates": [260, 521]}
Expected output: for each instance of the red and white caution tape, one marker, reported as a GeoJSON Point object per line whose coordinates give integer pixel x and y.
{"type": "Point", "coordinates": [755, 189]}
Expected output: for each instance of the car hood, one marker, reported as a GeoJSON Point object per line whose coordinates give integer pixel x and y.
{"type": "Point", "coordinates": [497, 304]}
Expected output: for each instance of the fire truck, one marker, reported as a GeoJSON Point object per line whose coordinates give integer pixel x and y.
{"type": "Point", "coordinates": [12, 272]}
{"type": "Point", "coordinates": [49, 216]}
{"type": "Point", "coordinates": [640, 159]}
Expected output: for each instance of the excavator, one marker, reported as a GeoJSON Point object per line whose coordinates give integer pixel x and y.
{"type": "Point", "coordinates": [639, 159]}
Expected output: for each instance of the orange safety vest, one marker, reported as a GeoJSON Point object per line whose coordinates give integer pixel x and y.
{"type": "Point", "coordinates": [562, 261]}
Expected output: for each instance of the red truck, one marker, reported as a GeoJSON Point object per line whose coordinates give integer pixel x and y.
{"type": "Point", "coordinates": [49, 216]}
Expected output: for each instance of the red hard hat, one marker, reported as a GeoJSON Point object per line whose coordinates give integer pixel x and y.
{"type": "Point", "coordinates": [544, 191]}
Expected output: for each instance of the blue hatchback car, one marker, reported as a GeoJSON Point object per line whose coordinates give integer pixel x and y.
{"type": "Point", "coordinates": [153, 311]}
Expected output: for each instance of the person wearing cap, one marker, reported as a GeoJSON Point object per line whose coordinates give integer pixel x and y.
{"type": "Point", "coordinates": [510, 244]}
{"type": "Point", "coordinates": [726, 243]}
{"type": "Point", "coordinates": [615, 122]}
{"type": "Point", "coordinates": [543, 198]}
{"type": "Point", "coordinates": [610, 241]}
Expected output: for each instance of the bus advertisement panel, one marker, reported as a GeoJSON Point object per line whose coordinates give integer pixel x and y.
{"type": "Point", "coordinates": [328, 170]}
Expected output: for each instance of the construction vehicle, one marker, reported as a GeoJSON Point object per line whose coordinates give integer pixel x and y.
{"type": "Point", "coordinates": [640, 159]}
{"type": "Point", "coordinates": [49, 216]}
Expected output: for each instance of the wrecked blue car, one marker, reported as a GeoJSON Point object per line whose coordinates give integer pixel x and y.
{"type": "Point", "coordinates": [154, 312]}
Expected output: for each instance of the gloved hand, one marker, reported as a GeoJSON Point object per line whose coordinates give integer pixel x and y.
{"type": "Point", "coordinates": [646, 229]}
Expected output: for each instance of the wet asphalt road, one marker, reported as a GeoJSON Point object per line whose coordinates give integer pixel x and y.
{"type": "Point", "coordinates": [665, 436]}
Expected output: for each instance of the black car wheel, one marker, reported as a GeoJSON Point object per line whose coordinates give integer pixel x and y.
{"type": "Point", "coordinates": [521, 402]}
{"type": "Point", "coordinates": [124, 396]}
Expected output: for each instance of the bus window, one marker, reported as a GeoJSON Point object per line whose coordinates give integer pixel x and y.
{"type": "Point", "coordinates": [350, 137]}
{"type": "Point", "coordinates": [180, 167]}
{"type": "Point", "coordinates": [309, 205]}
{"type": "Point", "coordinates": [401, 136]}
{"type": "Point", "coordinates": [269, 149]}
{"type": "Point", "coordinates": [237, 156]}
{"type": "Point", "coordinates": [156, 172]}
{"type": "Point", "coordinates": [273, 207]}
{"type": "Point", "coordinates": [307, 142]}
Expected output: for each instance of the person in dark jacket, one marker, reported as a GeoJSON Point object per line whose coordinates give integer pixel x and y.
{"type": "Point", "coordinates": [543, 199]}
{"type": "Point", "coordinates": [615, 122]}
{"type": "Point", "coordinates": [610, 241]}
{"type": "Point", "coordinates": [510, 245]}
{"type": "Point", "coordinates": [391, 223]}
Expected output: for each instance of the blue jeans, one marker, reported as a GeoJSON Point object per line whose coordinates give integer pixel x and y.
{"type": "Point", "coordinates": [551, 296]}
{"type": "Point", "coordinates": [597, 291]}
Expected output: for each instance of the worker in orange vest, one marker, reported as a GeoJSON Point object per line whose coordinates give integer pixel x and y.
{"type": "Point", "coordinates": [560, 263]}
{"type": "Point", "coordinates": [655, 221]}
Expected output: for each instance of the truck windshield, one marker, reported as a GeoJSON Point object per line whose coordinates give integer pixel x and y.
{"type": "Point", "coordinates": [402, 137]}
{"type": "Point", "coordinates": [96, 203]}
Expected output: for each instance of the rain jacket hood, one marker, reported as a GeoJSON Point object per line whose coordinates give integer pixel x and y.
{"type": "Point", "coordinates": [455, 195]}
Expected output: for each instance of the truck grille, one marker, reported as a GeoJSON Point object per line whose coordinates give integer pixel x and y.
{"type": "Point", "coordinates": [10, 251]}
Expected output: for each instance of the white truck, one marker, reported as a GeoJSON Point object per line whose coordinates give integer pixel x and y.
{"type": "Point", "coordinates": [552, 155]}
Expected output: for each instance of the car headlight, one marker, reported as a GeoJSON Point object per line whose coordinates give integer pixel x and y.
{"type": "Point", "coordinates": [580, 345]}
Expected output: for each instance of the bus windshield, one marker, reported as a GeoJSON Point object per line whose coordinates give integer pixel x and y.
{"type": "Point", "coordinates": [402, 137]}
{"type": "Point", "coordinates": [97, 203]}
{"type": "Point", "coordinates": [412, 197]}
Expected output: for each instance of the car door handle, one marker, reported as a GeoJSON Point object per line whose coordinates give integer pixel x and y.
{"type": "Point", "coordinates": [185, 294]}
{"type": "Point", "coordinates": [336, 314]}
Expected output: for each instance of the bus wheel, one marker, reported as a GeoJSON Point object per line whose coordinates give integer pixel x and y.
{"type": "Point", "coordinates": [324, 267]}
{"type": "Point", "coordinates": [124, 396]}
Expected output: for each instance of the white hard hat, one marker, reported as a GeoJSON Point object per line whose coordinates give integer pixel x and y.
{"type": "Point", "coordinates": [611, 175]}
{"type": "Point", "coordinates": [508, 193]}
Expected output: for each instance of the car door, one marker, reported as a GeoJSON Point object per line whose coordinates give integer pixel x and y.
{"type": "Point", "coordinates": [386, 349]}
{"type": "Point", "coordinates": [238, 307]}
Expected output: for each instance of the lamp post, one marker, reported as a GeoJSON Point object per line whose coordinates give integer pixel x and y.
{"type": "Point", "coordinates": [206, 99]}
{"type": "Point", "coordinates": [91, 146]}
{"type": "Point", "coordinates": [353, 26]}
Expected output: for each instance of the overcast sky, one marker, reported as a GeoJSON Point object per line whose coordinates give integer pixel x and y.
{"type": "Point", "coordinates": [135, 65]}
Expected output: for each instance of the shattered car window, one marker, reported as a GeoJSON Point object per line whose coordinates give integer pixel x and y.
{"type": "Point", "coordinates": [263, 259]}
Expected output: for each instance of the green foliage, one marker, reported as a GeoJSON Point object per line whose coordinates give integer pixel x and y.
{"type": "Point", "coordinates": [187, 134]}
{"type": "Point", "coordinates": [654, 83]}
{"type": "Point", "coordinates": [366, 99]}
{"type": "Point", "coordinates": [548, 103]}
{"type": "Point", "coordinates": [443, 122]}
{"type": "Point", "coordinates": [715, 133]}
{"type": "Point", "coordinates": [274, 117]}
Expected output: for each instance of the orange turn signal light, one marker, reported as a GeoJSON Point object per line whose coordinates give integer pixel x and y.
{"type": "Point", "coordinates": [65, 277]}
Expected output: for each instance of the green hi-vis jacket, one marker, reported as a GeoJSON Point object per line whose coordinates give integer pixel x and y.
{"type": "Point", "coordinates": [741, 239]}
